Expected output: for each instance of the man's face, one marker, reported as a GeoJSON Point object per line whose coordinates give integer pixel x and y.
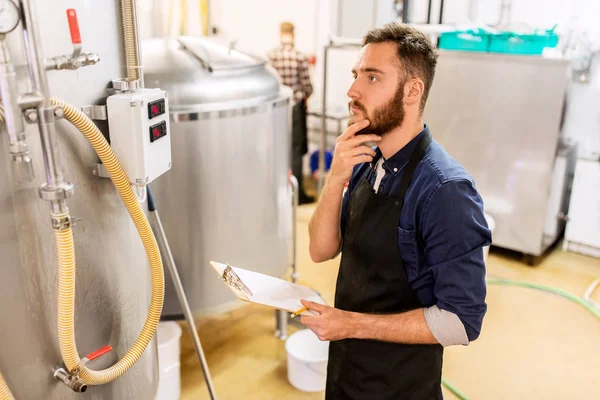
{"type": "Point", "coordinates": [378, 89]}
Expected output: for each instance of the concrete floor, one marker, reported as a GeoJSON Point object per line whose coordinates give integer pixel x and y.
{"type": "Point", "coordinates": [533, 345]}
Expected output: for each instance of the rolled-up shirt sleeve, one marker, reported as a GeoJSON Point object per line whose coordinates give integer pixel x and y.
{"type": "Point", "coordinates": [454, 231]}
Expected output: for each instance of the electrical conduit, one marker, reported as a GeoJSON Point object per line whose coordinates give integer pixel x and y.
{"type": "Point", "coordinates": [130, 37]}
{"type": "Point", "coordinates": [66, 260]}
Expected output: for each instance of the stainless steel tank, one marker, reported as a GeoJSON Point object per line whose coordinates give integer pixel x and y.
{"type": "Point", "coordinates": [227, 196]}
{"type": "Point", "coordinates": [113, 279]}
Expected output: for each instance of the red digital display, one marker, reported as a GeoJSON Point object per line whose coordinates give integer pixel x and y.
{"type": "Point", "coordinates": [156, 108]}
{"type": "Point", "coordinates": [157, 131]}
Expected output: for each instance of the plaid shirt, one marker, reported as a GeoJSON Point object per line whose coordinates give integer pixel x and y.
{"type": "Point", "coordinates": [292, 66]}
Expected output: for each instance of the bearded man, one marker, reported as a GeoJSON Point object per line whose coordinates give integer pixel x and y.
{"type": "Point", "coordinates": [410, 228]}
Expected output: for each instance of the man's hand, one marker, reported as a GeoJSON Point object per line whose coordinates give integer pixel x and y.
{"type": "Point", "coordinates": [331, 324]}
{"type": "Point", "coordinates": [350, 151]}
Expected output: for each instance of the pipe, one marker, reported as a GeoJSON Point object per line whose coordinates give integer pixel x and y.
{"type": "Point", "coordinates": [21, 166]}
{"type": "Point", "coordinates": [5, 393]}
{"type": "Point", "coordinates": [131, 37]}
{"type": "Point", "coordinates": [281, 320]}
{"type": "Point", "coordinates": [56, 189]}
{"type": "Point", "coordinates": [323, 141]}
{"type": "Point", "coordinates": [66, 257]}
{"type": "Point", "coordinates": [405, 11]}
{"type": "Point", "coordinates": [429, 11]}
{"type": "Point", "coordinates": [8, 91]}
{"type": "Point", "coordinates": [295, 194]}
{"type": "Point", "coordinates": [473, 10]}
{"type": "Point", "coordinates": [185, 306]}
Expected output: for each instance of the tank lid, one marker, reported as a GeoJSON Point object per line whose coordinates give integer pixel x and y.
{"type": "Point", "coordinates": [201, 72]}
{"type": "Point", "coordinates": [216, 57]}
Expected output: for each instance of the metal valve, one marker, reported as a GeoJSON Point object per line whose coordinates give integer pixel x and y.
{"type": "Point", "coordinates": [77, 59]}
{"type": "Point", "coordinates": [72, 379]}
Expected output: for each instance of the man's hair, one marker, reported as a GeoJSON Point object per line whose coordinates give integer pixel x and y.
{"type": "Point", "coordinates": [416, 52]}
{"type": "Point", "coordinates": [287, 27]}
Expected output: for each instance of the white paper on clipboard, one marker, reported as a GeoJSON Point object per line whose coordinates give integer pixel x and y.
{"type": "Point", "coordinates": [270, 291]}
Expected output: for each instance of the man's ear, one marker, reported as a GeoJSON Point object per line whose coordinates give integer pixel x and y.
{"type": "Point", "coordinates": [414, 91]}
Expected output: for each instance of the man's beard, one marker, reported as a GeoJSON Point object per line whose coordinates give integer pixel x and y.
{"type": "Point", "coordinates": [383, 119]}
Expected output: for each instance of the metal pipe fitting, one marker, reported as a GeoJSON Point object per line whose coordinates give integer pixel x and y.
{"type": "Point", "coordinates": [73, 381]}
{"type": "Point", "coordinates": [71, 62]}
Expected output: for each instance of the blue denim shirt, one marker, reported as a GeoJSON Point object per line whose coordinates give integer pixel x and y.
{"type": "Point", "coordinates": [441, 232]}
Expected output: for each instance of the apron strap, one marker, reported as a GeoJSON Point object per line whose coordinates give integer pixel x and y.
{"type": "Point", "coordinates": [414, 160]}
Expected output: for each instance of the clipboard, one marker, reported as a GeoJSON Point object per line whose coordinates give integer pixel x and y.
{"type": "Point", "coordinates": [255, 287]}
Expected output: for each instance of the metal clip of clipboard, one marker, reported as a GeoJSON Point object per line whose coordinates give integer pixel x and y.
{"type": "Point", "coordinates": [230, 277]}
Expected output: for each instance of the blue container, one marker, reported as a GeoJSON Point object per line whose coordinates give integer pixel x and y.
{"type": "Point", "coordinates": [314, 161]}
{"type": "Point", "coordinates": [469, 40]}
{"type": "Point", "coordinates": [530, 44]}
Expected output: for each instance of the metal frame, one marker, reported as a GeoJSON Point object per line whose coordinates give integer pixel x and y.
{"type": "Point", "coordinates": [334, 43]}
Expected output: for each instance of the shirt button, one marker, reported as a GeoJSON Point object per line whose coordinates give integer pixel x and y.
{"type": "Point", "coordinates": [395, 169]}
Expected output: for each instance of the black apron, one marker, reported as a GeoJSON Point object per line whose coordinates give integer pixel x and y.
{"type": "Point", "coordinates": [372, 279]}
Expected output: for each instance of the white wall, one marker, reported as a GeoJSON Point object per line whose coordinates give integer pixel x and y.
{"type": "Point", "coordinates": [255, 23]}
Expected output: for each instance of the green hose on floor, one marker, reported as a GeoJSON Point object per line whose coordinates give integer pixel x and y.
{"type": "Point", "coordinates": [497, 281]}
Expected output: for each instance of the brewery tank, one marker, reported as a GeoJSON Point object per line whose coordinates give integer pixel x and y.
{"type": "Point", "coordinates": [227, 197]}
{"type": "Point", "coordinates": [112, 276]}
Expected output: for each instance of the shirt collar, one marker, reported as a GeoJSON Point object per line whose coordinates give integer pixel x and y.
{"type": "Point", "coordinates": [395, 163]}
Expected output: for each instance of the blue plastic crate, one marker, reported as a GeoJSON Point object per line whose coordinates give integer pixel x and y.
{"type": "Point", "coordinates": [530, 44]}
{"type": "Point", "coordinates": [471, 40]}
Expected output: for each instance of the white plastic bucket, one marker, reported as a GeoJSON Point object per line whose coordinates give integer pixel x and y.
{"type": "Point", "coordinates": [307, 361]}
{"type": "Point", "coordinates": [169, 371]}
{"type": "Point", "coordinates": [492, 226]}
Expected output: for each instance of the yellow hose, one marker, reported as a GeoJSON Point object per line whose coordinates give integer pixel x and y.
{"type": "Point", "coordinates": [5, 393]}
{"type": "Point", "coordinates": [66, 260]}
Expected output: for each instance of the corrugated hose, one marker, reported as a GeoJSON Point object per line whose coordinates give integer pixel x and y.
{"type": "Point", "coordinates": [66, 260]}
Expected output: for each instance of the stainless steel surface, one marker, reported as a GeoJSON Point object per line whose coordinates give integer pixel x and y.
{"type": "Point", "coordinates": [238, 80]}
{"type": "Point", "coordinates": [499, 116]}
{"type": "Point", "coordinates": [95, 112]}
{"type": "Point", "coordinates": [113, 279]}
{"type": "Point", "coordinates": [227, 197]}
{"type": "Point", "coordinates": [165, 250]}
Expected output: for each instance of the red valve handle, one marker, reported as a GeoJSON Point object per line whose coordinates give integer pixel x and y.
{"type": "Point", "coordinates": [73, 26]}
{"type": "Point", "coordinates": [99, 353]}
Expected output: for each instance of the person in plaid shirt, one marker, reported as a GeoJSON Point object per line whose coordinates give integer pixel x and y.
{"type": "Point", "coordinates": [292, 67]}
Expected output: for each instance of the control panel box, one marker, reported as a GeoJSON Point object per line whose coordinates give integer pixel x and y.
{"type": "Point", "coordinates": [140, 136]}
